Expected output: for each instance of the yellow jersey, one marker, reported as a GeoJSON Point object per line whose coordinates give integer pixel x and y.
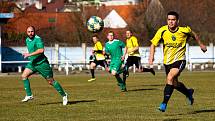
{"type": "Point", "coordinates": [98, 47]}
{"type": "Point", "coordinates": [130, 44]}
{"type": "Point", "coordinates": [174, 43]}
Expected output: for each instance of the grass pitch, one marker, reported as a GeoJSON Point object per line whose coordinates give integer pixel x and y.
{"type": "Point", "coordinates": [102, 100]}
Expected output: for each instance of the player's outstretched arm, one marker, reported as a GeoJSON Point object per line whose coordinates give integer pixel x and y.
{"type": "Point", "coordinates": [125, 52]}
{"type": "Point", "coordinates": [196, 37]}
{"type": "Point", "coordinates": [39, 51]}
{"type": "Point", "coordinates": [134, 49]}
{"type": "Point", "coordinates": [151, 55]}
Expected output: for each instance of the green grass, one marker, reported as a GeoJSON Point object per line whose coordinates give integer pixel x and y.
{"type": "Point", "coordinates": [102, 100]}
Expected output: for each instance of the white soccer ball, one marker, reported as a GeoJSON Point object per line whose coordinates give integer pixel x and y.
{"type": "Point", "coordinates": [95, 24]}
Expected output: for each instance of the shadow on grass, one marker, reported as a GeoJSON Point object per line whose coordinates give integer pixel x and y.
{"type": "Point", "coordinates": [202, 111]}
{"type": "Point", "coordinates": [154, 85]}
{"type": "Point", "coordinates": [69, 102]}
{"type": "Point", "coordinates": [80, 101]}
{"type": "Point", "coordinates": [198, 111]}
{"type": "Point", "coordinates": [143, 89]}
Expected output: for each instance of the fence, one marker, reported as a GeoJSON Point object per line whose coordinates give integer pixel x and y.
{"type": "Point", "coordinates": [71, 58]}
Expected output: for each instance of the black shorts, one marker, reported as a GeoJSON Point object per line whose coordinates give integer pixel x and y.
{"type": "Point", "coordinates": [102, 63]}
{"type": "Point", "coordinates": [133, 60]}
{"type": "Point", "coordinates": [178, 64]}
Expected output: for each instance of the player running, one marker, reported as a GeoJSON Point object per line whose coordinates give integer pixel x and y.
{"type": "Point", "coordinates": [132, 49]}
{"type": "Point", "coordinates": [97, 58]}
{"type": "Point", "coordinates": [38, 63]}
{"type": "Point", "coordinates": [174, 40]}
{"type": "Point", "coordinates": [114, 48]}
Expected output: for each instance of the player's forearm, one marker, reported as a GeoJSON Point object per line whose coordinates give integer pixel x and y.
{"type": "Point", "coordinates": [39, 51]}
{"type": "Point", "coordinates": [151, 55]}
{"type": "Point", "coordinates": [197, 39]}
{"type": "Point", "coordinates": [152, 50]}
{"type": "Point", "coordinates": [201, 45]}
{"type": "Point", "coordinates": [126, 50]}
{"type": "Point", "coordinates": [135, 49]}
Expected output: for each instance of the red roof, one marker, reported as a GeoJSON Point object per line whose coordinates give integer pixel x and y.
{"type": "Point", "coordinates": [53, 6]}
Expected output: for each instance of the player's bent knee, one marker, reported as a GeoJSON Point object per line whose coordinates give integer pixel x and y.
{"type": "Point", "coordinates": [113, 73]}
{"type": "Point", "coordinates": [92, 65]}
{"type": "Point", "coordinates": [23, 76]}
{"type": "Point", "coordinates": [50, 81]}
{"type": "Point", "coordinates": [169, 79]}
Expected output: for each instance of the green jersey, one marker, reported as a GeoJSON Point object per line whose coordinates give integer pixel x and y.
{"type": "Point", "coordinates": [114, 48]}
{"type": "Point", "coordinates": [33, 45]}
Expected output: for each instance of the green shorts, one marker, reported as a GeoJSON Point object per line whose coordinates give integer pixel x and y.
{"type": "Point", "coordinates": [44, 69]}
{"type": "Point", "coordinates": [116, 66]}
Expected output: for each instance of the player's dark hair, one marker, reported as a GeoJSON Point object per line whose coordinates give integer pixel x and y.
{"type": "Point", "coordinates": [95, 35]}
{"type": "Point", "coordinates": [174, 14]}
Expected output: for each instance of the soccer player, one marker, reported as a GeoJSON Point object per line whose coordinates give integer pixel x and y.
{"type": "Point", "coordinates": [132, 49]}
{"type": "Point", "coordinates": [114, 48]}
{"type": "Point", "coordinates": [97, 58]}
{"type": "Point", "coordinates": [38, 63]}
{"type": "Point", "coordinates": [174, 39]}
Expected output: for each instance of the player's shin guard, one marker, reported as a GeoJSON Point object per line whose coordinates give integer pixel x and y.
{"type": "Point", "coordinates": [58, 87]}
{"type": "Point", "coordinates": [168, 90]}
{"type": "Point", "coordinates": [182, 88]}
{"type": "Point", "coordinates": [27, 87]}
{"type": "Point", "coordinates": [92, 73]}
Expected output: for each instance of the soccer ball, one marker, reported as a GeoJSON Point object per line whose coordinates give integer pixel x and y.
{"type": "Point", "coordinates": [95, 24]}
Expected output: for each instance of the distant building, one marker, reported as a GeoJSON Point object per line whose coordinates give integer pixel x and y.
{"type": "Point", "coordinates": [69, 5]}
{"type": "Point", "coordinates": [118, 2]}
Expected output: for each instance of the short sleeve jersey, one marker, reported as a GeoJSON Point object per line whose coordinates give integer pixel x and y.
{"type": "Point", "coordinates": [174, 43]}
{"type": "Point", "coordinates": [98, 46]}
{"type": "Point", "coordinates": [130, 44]}
{"type": "Point", "coordinates": [33, 45]}
{"type": "Point", "coordinates": [114, 48]}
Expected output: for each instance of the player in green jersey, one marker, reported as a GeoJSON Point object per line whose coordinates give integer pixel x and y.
{"type": "Point", "coordinates": [114, 48]}
{"type": "Point", "coordinates": [38, 63]}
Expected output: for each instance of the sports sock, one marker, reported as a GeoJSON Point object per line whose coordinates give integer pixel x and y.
{"type": "Point", "coordinates": [118, 78]}
{"type": "Point", "coordinates": [124, 77]}
{"type": "Point", "coordinates": [182, 88]}
{"type": "Point", "coordinates": [58, 87]}
{"type": "Point", "coordinates": [27, 87]}
{"type": "Point", "coordinates": [120, 82]}
{"type": "Point", "coordinates": [92, 73]}
{"type": "Point", "coordinates": [125, 73]}
{"type": "Point", "coordinates": [168, 90]}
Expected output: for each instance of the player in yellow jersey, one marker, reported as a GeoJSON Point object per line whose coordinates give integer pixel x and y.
{"type": "Point", "coordinates": [97, 58]}
{"type": "Point", "coordinates": [174, 40]}
{"type": "Point", "coordinates": [132, 49]}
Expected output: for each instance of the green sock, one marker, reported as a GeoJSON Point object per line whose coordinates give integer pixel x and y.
{"type": "Point", "coordinates": [27, 87]}
{"type": "Point", "coordinates": [120, 82]}
{"type": "Point", "coordinates": [58, 87]}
